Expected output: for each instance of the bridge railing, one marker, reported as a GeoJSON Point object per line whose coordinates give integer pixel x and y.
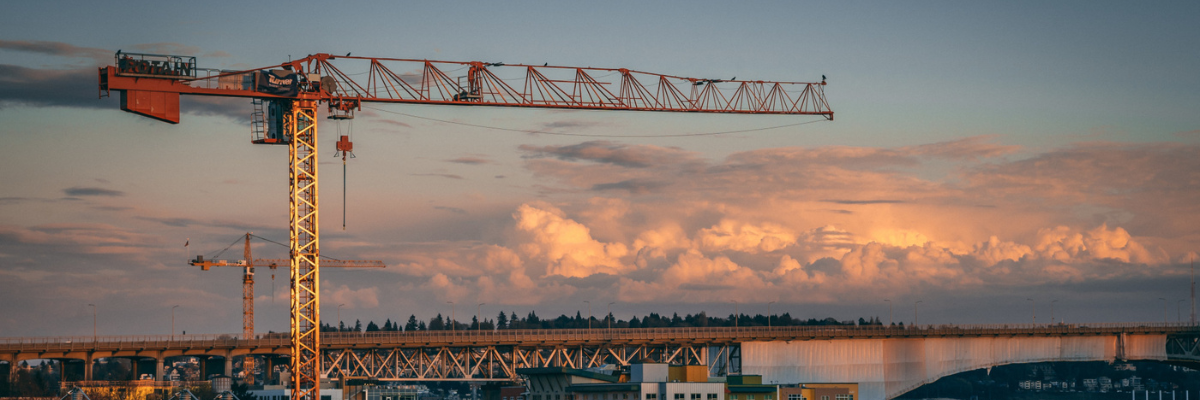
{"type": "Point", "coordinates": [618, 335]}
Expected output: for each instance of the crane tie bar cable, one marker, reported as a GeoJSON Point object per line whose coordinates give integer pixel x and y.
{"type": "Point", "coordinates": [595, 135]}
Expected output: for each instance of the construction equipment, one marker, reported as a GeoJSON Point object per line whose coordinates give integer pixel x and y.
{"type": "Point", "coordinates": [286, 97]}
{"type": "Point", "coordinates": [247, 264]}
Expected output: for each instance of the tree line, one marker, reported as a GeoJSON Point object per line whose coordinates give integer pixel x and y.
{"type": "Point", "coordinates": [532, 321]}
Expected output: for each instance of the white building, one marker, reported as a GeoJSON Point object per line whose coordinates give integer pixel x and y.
{"type": "Point", "coordinates": [645, 382]}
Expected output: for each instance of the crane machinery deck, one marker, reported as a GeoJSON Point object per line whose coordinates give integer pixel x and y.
{"type": "Point", "coordinates": [289, 95]}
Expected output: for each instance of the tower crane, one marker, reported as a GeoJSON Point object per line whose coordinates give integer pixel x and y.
{"type": "Point", "coordinates": [151, 84]}
{"type": "Point", "coordinates": [247, 264]}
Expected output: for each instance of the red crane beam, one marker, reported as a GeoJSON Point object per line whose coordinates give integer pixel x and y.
{"type": "Point", "coordinates": [322, 77]}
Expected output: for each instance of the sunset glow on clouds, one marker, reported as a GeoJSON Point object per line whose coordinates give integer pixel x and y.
{"type": "Point", "coordinates": [789, 222]}
{"type": "Point", "coordinates": [986, 162]}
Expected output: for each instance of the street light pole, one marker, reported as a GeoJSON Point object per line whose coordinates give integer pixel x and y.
{"type": "Point", "coordinates": [589, 303]}
{"type": "Point", "coordinates": [93, 321]}
{"type": "Point", "coordinates": [610, 317]}
{"type": "Point", "coordinates": [769, 315]}
{"type": "Point", "coordinates": [1034, 303]}
{"type": "Point", "coordinates": [173, 321]}
{"type": "Point", "coordinates": [1052, 311]}
{"type": "Point", "coordinates": [1164, 309]}
{"type": "Point", "coordinates": [916, 321]}
{"type": "Point", "coordinates": [890, 312]}
{"type": "Point", "coordinates": [478, 317]}
{"type": "Point", "coordinates": [339, 317]}
{"type": "Point", "coordinates": [736, 314]}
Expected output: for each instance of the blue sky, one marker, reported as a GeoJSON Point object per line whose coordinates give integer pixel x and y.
{"type": "Point", "coordinates": [967, 135]}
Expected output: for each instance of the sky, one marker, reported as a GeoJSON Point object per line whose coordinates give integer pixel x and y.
{"type": "Point", "coordinates": [990, 163]}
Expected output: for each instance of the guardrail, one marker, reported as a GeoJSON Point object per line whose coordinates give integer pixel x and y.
{"type": "Point", "coordinates": [530, 336]}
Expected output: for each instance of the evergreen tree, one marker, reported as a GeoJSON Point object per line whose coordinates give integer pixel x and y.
{"type": "Point", "coordinates": [357, 326]}
{"type": "Point", "coordinates": [371, 327]}
{"type": "Point", "coordinates": [421, 326]}
{"type": "Point", "coordinates": [501, 321]}
{"type": "Point", "coordinates": [412, 324]}
{"type": "Point", "coordinates": [437, 324]}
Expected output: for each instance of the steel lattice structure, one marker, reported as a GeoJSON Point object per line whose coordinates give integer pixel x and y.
{"type": "Point", "coordinates": [150, 85]}
{"type": "Point", "coordinates": [500, 363]}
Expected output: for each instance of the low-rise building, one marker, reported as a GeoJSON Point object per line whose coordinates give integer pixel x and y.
{"type": "Point", "coordinates": [819, 391]}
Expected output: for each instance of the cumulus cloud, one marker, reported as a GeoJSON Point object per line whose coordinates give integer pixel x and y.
{"type": "Point", "coordinates": [367, 297]}
{"type": "Point", "coordinates": [565, 245]}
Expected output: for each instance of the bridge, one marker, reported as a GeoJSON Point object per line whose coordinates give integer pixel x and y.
{"type": "Point", "coordinates": [885, 361]}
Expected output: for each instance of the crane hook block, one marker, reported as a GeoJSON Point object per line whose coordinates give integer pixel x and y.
{"type": "Point", "coordinates": [344, 145]}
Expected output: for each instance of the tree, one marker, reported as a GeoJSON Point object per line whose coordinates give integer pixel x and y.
{"type": "Point", "coordinates": [412, 324]}
{"type": "Point", "coordinates": [357, 326]}
{"type": "Point", "coordinates": [501, 321]}
{"type": "Point", "coordinates": [371, 327]}
{"type": "Point", "coordinates": [437, 324]}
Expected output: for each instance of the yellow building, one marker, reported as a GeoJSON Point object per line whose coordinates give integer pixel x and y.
{"type": "Point", "coordinates": [819, 391]}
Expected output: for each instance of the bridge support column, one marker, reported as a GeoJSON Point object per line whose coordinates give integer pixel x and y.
{"type": "Point", "coordinates": [228, 366]}
{"type": "Point", "coordinates": [133, 367]}
{"type": "Point", "coordinates": [268, 370]}
{"type": "Point", "coordinates": [158, 369]}
{"type": "Point", "coordinates": [87, 367]}
{"type": "Point", "coordinates": [11, 375]}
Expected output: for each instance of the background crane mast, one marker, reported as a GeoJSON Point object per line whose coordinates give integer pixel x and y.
{"type": "Point", "coordinates": [150, 85]}
{"type": "Point", "coordinates": [247, 264]}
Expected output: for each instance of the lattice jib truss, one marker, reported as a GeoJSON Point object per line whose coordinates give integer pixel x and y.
{"type": "Point", "coordinates": [301, 122]}
{"type": "Point", "coordinates": [431, 82]}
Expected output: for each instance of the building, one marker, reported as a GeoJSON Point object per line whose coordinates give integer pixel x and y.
{"type": "Point", "coordinates": [819, 391]}
{"type": "Point", "coordinates": [648, 381]}
{"type": "Point", "coordinates": [749, 387]}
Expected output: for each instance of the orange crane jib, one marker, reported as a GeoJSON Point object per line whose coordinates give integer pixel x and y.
{"type": "Point", "coordinates": [395, 80]}
{"type": "Point", "coordinates": [285, 98]}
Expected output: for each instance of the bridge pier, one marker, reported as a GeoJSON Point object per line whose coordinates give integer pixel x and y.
{"type": "Point", "coordinates": [229, 366]}
{"type": "Point", "coordinates": [88, 366]}
{"type": "Point", "coordinates": [159, 368]}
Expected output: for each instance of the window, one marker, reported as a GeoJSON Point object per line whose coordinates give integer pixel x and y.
{"type": "Point", "coordinates": [651, 396]}
{"type": "Point", "coordinates": [678, 396]}
{"type": "Point", "coordinates": [712, 396]}
{"type": "Point", "coordinates": [695, 396]}
{"type": "Point", "coordinates": [624, 396]}
{"type": "Point", "coordinates": [844, 397]}
{"type": "Point", "coordinates": [749, 397]}
{"type": "Point", "coordinates": [770, 396]}
{"type": "Point", "coordinates": [796, 397]}
{"type": "Point", "coordinates": [733, 397]}
{"type": "Point", "coordinates": [825, 397]}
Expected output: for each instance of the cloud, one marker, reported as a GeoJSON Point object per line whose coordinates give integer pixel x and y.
{"type": "Point", "coordinates": [100, 56]}
{"type": "Point", "coordinates": [455, 210]}
{"type": "Point", "coordinates": [566, 246]}
{"type": "Point", "coordinates": [447, 176]}
{"type": "Point", "coordinates": [360, 298]}
{"type": "Point", "coordinates": [92, 191]}
{"type": "Point", "coordinates": [630, 156]}
{"type": "Point", "coordinates": [168, 48]}
{"type": "Point", "coordinates": [470, 160]}
{"type": "Point", "coordinates": [75, 88]}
